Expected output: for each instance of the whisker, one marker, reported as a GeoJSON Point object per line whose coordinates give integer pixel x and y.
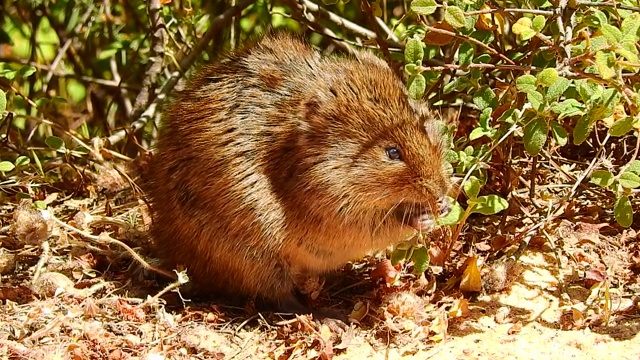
{"type": "Point", "coordinates": [387, 214]}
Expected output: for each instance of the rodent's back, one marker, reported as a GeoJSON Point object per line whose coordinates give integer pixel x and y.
{"type": "Point", "coordinates": [274, 164]}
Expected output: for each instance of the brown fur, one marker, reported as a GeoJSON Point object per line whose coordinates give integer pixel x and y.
{"type": "Point", "coordinates": [271, 166]}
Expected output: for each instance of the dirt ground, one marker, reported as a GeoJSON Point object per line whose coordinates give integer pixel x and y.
{"type": "Point", "coordinates": [71, 290]}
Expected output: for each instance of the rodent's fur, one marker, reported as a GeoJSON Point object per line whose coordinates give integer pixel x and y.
{"type": "Point", "coordinates": [272, 165]}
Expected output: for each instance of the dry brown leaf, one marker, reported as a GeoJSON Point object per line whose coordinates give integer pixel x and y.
{"type": "Point", "coordinates": [436, 255]}
{"type": "Point", "coordinates": [594, 276]}
{"type": "Point", "coordinates": [384, 270]}
{"type": "Point", "coordinates": [90, 308]}
{"type": "Point", "coordinates": [439, 326]}
{"type": "Point", "coordinates": [471, 280]}
{"type": "Point", "coordinates": [460, 308]}
{"type": "Point", "coordinates": [130, 313]}
{"type": "Point", "coordinates": [360, 310]}
{"type": "Point", "coordinates": [434, 38]}
{"type": "Point", "coordinates": [515, 328]}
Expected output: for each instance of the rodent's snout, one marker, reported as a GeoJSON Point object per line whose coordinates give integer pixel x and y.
{"type": "Point", "coordinates": [421, 216]}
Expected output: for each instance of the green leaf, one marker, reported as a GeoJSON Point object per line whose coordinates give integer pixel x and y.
{"type": "Point", "coordinates": [612, 34]}
{"type": "Point", "coordinates": [582, 129]}
{"type": "Point", "coordinates": [559, 133]}
{"type": "Point", "coordinates": [538, 23]}
{"type": "Point", "coordinates": [535, 136]}
{"type": "Point", "coordinates": [54, 142]}
{"type": "Point", "coordinates": [634, 167]}
{"type": "Point", "coordinates": [411, 69]}
{"type": "Point", "coordinates": [417, 86]}
{"type": "Point", "coordinates": [602, 178]}
{"type": "Point", "coordinates": [622, 127]}
{"type": "Point", "coordinates": [630, 28]}
{"type": "Point", "coordinates": [526, 83]}
{"type": "Point", "coordinates": [453, 217]}
{"type": "Point", "coordinates": [627, 54]}
{"type": "Point", "coordinates": [606, 105]}
{"type": "Point", "coordinates": [629, 180]}
{"type": "Point", "coordinates": [523, 28]}
{"type": "Point", "coordinates": [567, 108]}
{"type": "Point", "coordinates": [424, 7]}
{"type": "Point", "coordinates": [602, 107]}
{"type": "Point", "coordinates": [623, 211]}
{"type": "Point", "coordinates": [39, 204]}
{"type": "Point", "coordinates": [38, 163]}
{"type": "Point", "coordinates": [484, 98]}
{"type": "Point", "coordinates": [557, 89]}
{"type": "Point", "coordinates": [420, 260]}
{"type": "Point", "coordinates": [547, 77]}
{"type": "Point", "coordinates": [600, 16]}
{"type": "Point", "coordinates": [458, 84]}
{"type": "Point", "coordinates": [598, 43]}
{"type": "Point", "coordinates": [22, 161]}
{"type": "Point", "coordinates": [536, 99]}
{"type": "Point", "coordinates": [398, 255]}
{"type": "Point", "coordinates": [26, 71]}
{"type": "Point", "coordinates": [477, 133]}
{"type": "Point", "coordinates": [489, 204]}
{"type": "Point", "coordinates": [472, 187]}
{"type": "Point", "coordinates": [589, 90]}
{"type": "Point", "coordinates": [413, 52]}
{"type": "Point", "coordinates": [8, 74]}
{"type": "Point", "coordinates": [3, 101]}
{"type": "Point", "coordinates": [455, 17]}
{"type": "Point", "coordinates": [605, 62]}
{"type": "Point", "coordinates": [6, 166]}
{"type": "Point", "coordinates": [510, 117]}
{"type": "Point", "coordinates": [465, 54]}
{"type": "Point", "coordinates": [107, 53]}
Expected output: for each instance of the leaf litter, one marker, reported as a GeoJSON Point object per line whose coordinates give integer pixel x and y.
{"type": "Point", "coordinates": [79, 281]}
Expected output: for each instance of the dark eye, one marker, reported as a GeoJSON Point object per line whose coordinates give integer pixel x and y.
{"type": "Point", "coordinates": [393, 153]}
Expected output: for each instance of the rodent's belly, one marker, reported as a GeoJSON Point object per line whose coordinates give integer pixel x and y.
{"type": "Point", "coordinates": [317, 255]}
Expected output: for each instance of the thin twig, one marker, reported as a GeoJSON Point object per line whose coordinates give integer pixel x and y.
{"type": "Point", "coordinates": [103, 238]}
{"type": "Point", "coordinates": [609, 4]}
{"type": "Point", "coordinates": [380, 39]}
{"type": "Point", "coordinates": [216, 24]}
{"type": "Point", "coordinates": [63, 49]}
{"type": "Point", "coordinates": [113, 64]}
{"type": "Point", "coordinates": [479, 66]}
{"type": "Point", "coordinates": [158, 40]}
{"type": "Point", "coordinates": [469, 39]}
{"type": "Point", "coordinates": [525, 11]}
{"type": "Point", "coordinates": [314, 8]}
{"type": "Point", "coordinates": [312, 22]}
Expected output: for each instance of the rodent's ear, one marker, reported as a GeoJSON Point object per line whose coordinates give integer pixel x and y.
{"type": "Point", "coordinates": [436, 131]}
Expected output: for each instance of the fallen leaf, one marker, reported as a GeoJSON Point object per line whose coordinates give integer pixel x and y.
{"type": "Point", "coordinates": [515, 328]}
{"type": "Point", "coordinates": [360, 310]}
{"type": "Point", "coordinates": [471, 281]}
{"type": "Point", "coordinates": [460, 308]}
{"type": "Point", "coordinates": [384, 270]}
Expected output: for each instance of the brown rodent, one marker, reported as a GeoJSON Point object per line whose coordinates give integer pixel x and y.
{"type": "Point", "coordinates": [277, 164]}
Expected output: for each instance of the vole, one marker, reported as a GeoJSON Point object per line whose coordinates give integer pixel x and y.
{"type": "Point", "coordinates": [276, 164]}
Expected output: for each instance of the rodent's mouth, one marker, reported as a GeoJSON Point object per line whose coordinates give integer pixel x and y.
{"type": "Point", "coordinates": [420, 215]}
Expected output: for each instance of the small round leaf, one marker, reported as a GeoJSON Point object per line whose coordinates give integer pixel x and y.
{"type": "Point", "coordinates": [535, 135]}
{"type": "Point", "coordinates": [424, 7]}
{"type": "Point", "coordinates": [6, 166]}
{"type": "Point", "coordinates": [623, 211]}
{"type": "Point", "coordinates": [54, 142]}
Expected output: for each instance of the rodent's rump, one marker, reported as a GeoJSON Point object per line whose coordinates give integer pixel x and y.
{"type": "Point", "coordinates": [276, 164]}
